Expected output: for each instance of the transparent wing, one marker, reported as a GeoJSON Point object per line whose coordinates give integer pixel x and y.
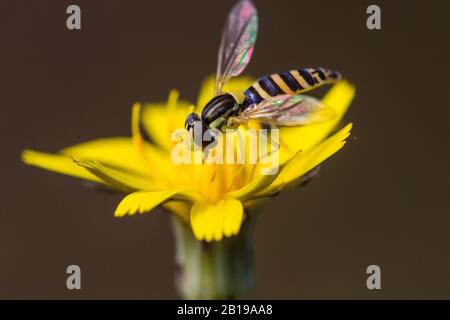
{"type": "Point", "coordinates": [287, 111]}
{"type": "Point", "coordinates": [238, 41]}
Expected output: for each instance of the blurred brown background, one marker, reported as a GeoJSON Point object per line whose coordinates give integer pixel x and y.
{"type": "Point", "coordinates": [383, 200]}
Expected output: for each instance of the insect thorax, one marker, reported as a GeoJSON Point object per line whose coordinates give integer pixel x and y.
{"type": "Point", "coordinates": [216, 113]}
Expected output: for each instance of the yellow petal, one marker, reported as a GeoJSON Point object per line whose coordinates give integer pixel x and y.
{"type": "Point", "coordinates": [232, 216]}
{"type": "Point", "coordinates": [151, 160]}
{"type": "Point", "coordinates": [259, 183]}
{"type": "Point", "coordinates": [213, 221]}
{"type": "Point", "coordinates": [141, 201]}
{"type": "Point", "coordinates": [304, 138]}
{"type": "Point", "coordinates": [118, 152]}
{"type": "Point", "coordinates": [57, 163]}
{"type": "Point", "coordinates": [118, 178]}
{"type": "Point", "coordinates": [302, 163]}
{"type": "Point", "coordinates": [235, 86]}
{"type": "Point", "coordinates": [160, 119]}
{"type": "Point", "coordinates": [180, 208]}
{"type": "Point", "coordinates": [111, 161]}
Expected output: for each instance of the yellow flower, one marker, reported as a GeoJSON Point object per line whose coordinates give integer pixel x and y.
{"type": "Point", "coordinates": [212, 198]}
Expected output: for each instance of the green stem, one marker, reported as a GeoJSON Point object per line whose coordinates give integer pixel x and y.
{"type": "Point", "coordinates": [215, 270]}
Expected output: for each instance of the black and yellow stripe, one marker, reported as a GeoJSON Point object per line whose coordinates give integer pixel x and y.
{"type": "Point", "coordinates": [289, 82]}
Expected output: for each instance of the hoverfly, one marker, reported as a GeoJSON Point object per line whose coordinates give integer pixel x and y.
{"type": "Point", "coordinates": [273, 100]}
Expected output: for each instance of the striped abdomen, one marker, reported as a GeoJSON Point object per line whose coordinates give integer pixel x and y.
{"type": "Point", "coordinates": [289, 82]}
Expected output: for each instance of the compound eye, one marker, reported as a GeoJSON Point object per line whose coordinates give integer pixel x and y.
{"type": "Point", "coordinates": [190, 121]}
